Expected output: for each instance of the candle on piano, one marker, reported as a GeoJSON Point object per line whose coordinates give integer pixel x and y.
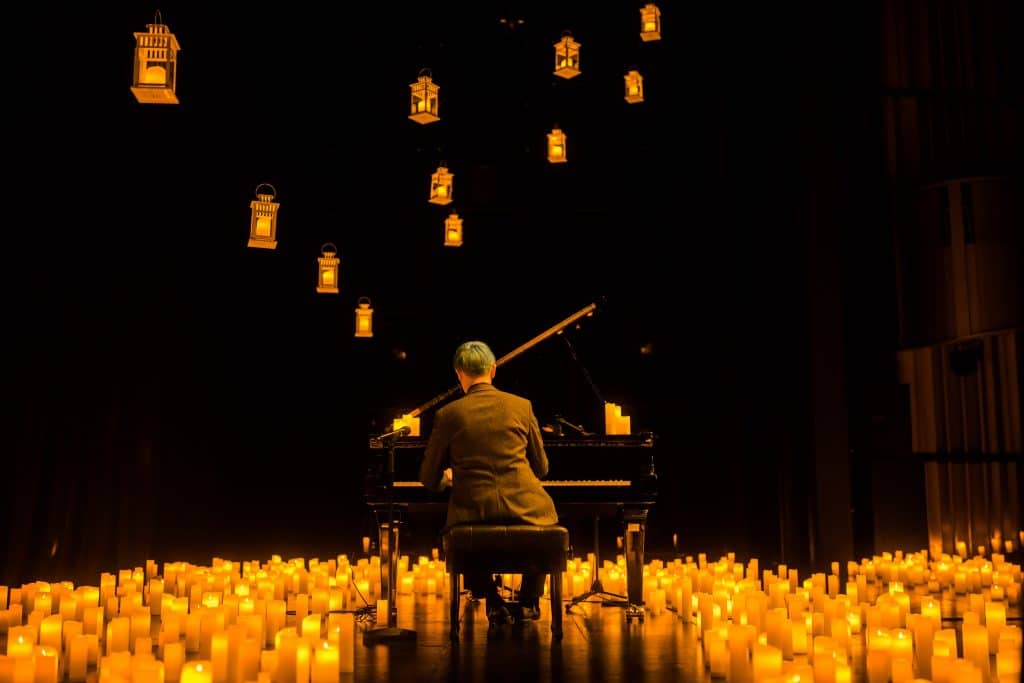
{"type": "Point", "coordinates": [407, 420]}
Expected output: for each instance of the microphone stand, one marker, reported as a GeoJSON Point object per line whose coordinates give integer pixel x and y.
{"type": "Point", "coordinates": [389, 554]}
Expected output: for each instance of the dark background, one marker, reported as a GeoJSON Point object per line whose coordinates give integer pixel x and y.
{"type": "Point", "coordinates": [178, 395]}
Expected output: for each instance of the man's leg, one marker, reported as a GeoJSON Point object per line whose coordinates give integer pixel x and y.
{"type": "Point", "coordinates": [529, 595]}
{"type": "Point", "coordinates": [481, 584]}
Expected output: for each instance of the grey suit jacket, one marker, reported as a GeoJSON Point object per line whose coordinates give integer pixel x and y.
{"type": "Point", "coordinates": [492, 442]}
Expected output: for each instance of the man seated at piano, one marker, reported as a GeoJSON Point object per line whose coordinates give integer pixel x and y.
{"type": "Point", "coordinates": [487, 446]}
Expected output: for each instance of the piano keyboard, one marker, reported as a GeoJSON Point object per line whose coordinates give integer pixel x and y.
{"type": "Point", "coordinates": [547, 483]}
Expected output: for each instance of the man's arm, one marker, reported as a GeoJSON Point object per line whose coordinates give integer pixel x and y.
{"type": "Point", "coordinates": [535, 454]}
{"type": "Point", "coordinates": [435, 458]}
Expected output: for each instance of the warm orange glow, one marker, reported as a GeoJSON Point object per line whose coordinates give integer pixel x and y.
{"type": "Point", "coordinates": [650, 22]}
{"type": "Point", "coordinates": [556, 146]}
{"type": "Point", "coordinates": [364, 318]}
{"type": "Point", "coordinates": [327, 265]}
{"type": "Point", "coordinates": [441, 186]}
{"type": "Point", "coordinates": [453, 231]}
{"type": "Point", "coordinates": [567, 57]}
{"type": "Point", "coordinates": [156, 61]}
{"type": "Point", "coordinates": [263, 224]}
{"type": "Point", "coordinates": [634, 87]}
{"type": "Point", "coordinates": [424, 100]}
{"type": "Point", "coordinates": [155, 74]}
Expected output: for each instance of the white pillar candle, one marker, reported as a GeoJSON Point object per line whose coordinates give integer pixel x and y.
{"type": "Point", "coordinates": [78, 658]}
{"type": "Point", "coordinates": [995, 620]}
{"type": "Point", "coordinates": [47, 663]}
{"type": "Point", "coordinates": [197, 671]}
{"type": "Point", "coordinates": [325, 667]}
{"type": "Point", "coordinates": [248, 659]}
{"type": "Point", "coordinates": [174, 660]}
{"type": "Point", "coordinates": [975, 639]}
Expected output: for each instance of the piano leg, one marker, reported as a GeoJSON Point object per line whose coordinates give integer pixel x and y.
{"type": "Point", "coordinates": [389, 568]}
{"type": "Point", "coordinates": [635, 520]}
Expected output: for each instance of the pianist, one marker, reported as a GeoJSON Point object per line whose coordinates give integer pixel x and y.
{"type": "Point", "coordinates": [490, 442]}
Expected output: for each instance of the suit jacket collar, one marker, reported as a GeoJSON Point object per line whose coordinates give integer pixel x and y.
{"type": "Point", "coordinates": [480, 386]}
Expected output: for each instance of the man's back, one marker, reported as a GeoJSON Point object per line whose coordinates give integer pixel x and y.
{"type": "Point", "coordinates": [492, 441]}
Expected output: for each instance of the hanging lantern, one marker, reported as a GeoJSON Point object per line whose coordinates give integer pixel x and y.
{"type": "Point", "coordinates": [263, 227]}
{"type": "Point", "coordinates": [423, 99]}
{"type": "Point", "coordinates": [155, 74]}
{"type": "Point", "coordinates": [364, 318]}
{"type": "Point", "coordinates": [441, 186]}
{"type": "Point", "coordinates": [634, 87]}
{"type": "Point", "coordinates": [327, 282]}
{"type": "Point", "coordinates": [556, 146]}
{"type": "Point", "coordinates": [453, 231]}
{"type": "Point", "coordinates": [650, 22]}
{"type": "Point", "coordinates": [567, 57]}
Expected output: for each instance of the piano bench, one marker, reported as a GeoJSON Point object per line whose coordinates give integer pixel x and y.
{"type": "Point", "coordinates": [507, 549]}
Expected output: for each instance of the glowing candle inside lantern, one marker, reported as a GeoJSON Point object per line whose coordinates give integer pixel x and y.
{"type": "Point", "coordinates": [649, 26]}
{"type": "Point", "coordinates": [263, 226]}
{"type": "Point", "coordinates": [421, 105]}
{"type": "Point", "coordinates": [328, 276]}
{"type": "Point", "coordinates": [155, 75]}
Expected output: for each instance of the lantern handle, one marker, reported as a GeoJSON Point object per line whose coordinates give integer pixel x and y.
{"type": "Point", "coordinates": [567, 34]}
{"type": "Point", "coordinates": [158, 18]}
{"type": "Point", "coordinates": [334, 249]}
{"type": "Point", "coordinates": [425, 71]}
{"type": "Point", "coordinates": [362, 299]}
{"type": "Point", "coordinates": [273, 191]}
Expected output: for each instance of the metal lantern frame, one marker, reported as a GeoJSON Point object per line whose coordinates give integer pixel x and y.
{"type": "Point", "coordinates": [453, 230]}
{"type": "Point", "coordinates": [650, 22]}
{"type": "Point", "coordinates": [634, 86]}
{"type": "Point", "coordinates": [557, 152]}
{"type": "Point", "coordinates": [264, 208]}
{"type": "Point", "coordinates": [567, 57]}
{"type": "Point", "coordinates": [155, 71]}
{"type": "Point", "coordinates": [424, 99]}
{"type": "Point", "coordinates": [327, 269]}
{"type": "Point", "coordinates": [364, 312]}
{"type": "Point", "coordinates": [441, 185]}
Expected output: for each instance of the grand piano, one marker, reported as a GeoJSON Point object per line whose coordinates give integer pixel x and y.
{"type": "Point", "coordinates": [591, 477]}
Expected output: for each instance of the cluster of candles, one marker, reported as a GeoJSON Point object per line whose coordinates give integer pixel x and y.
{"type": "Point", "coordinates": [753, 624]}
{"type": "Point", "coordinates": [233, 622]}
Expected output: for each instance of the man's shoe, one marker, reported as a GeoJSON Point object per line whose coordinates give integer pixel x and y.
{"type": "Point", "coordinates": [530, 613]}
{"type": "Point", "coordinates": [498, 616]}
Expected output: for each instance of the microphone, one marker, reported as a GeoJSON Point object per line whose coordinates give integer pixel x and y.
{"type": "Point", "coordinates": [401, 431]}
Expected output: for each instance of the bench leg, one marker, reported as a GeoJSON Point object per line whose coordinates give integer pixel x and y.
{"type": "Point", "coordinates": [453, 604]}
{"type": "Point", "coordinates": [556, 605]}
